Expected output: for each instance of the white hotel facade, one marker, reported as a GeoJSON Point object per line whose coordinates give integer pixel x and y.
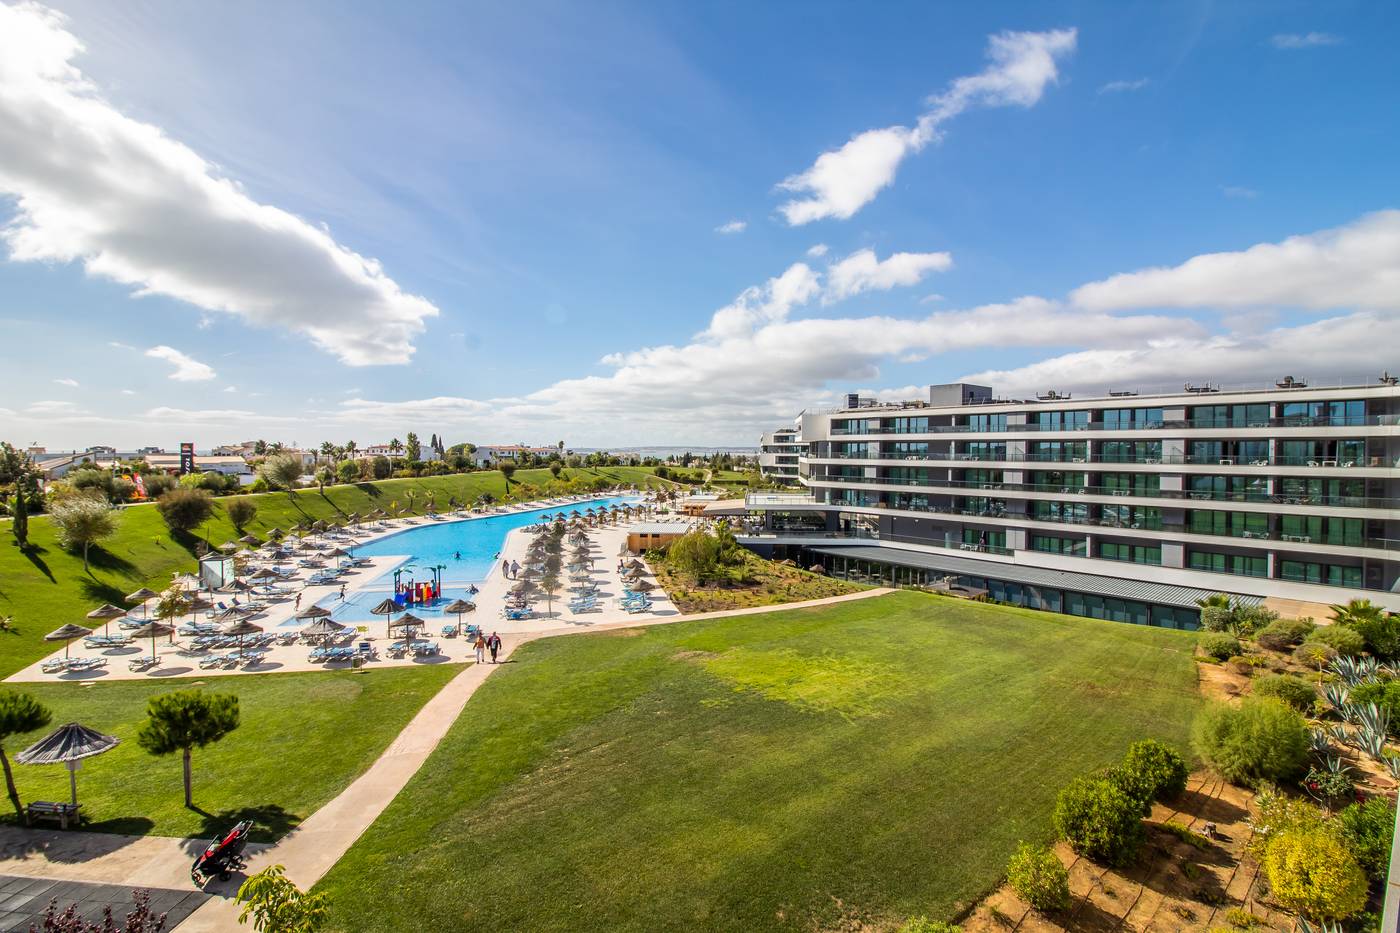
{"type": "Point", "coordinates": [1123, 506]}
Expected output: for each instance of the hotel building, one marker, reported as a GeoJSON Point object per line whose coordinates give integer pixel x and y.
{"type": "Point", "coordinates": [1123, 506]}
{"type": "Point", "coordinates": [778, 453]}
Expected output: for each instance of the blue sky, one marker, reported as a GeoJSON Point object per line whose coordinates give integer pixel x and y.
{"type": "Point", "coordinates": [497, 223]}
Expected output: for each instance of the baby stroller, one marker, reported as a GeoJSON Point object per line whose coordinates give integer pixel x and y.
{"type": "Point", "coordinates": [223, 856]}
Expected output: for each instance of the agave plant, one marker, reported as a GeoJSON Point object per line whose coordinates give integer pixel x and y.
{"type": "Point", "coordinates": [1337, 696]}
{"type": "Point", "coordinates": [1371, 717]}
{"type": "Point", "coordinates": [1370, 741]}
{"type": "Point", "coordinates": [1319, 741]}
{"type": "Point", "coordinates": [1355, 671]}
{"type": "Point", "coordinates": [1393, 766]}
{"type": "Point", "coordinates": [1339, 734]}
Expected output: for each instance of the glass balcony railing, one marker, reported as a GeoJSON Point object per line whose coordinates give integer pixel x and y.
{"type": "Point", "coordinates": [1192, 424]}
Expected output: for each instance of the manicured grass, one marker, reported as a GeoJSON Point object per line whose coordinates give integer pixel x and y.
{"type": "Point", "coordinates": [302, 739]}
{"type": "Point", "coordinates": [842, 767]}
{"type": "Point", "coordinates": [755, 582]}
{"type": "Point", "coordinates": [46, 586]}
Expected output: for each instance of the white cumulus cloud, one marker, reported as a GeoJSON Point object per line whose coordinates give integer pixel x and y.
{"type": "Point", "coordinates": [187, 368]}
{"type": "Point", "coordinates": [1353, 266]}
{"type": "Point", "coordinates": [844, 180]}
{"type": "Point", "coordinates": [733, 226]}
{"type": "Point", "coordinates": [862, 272]}
{"type": "Point", "coordinates": [92, 185]}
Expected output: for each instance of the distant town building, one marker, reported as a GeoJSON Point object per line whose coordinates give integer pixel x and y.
{"type": "Point", "coordinates": [494, 454]}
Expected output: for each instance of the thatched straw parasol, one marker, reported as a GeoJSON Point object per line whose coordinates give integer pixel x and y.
{"type": "Point", "coordinates": [66, 634]}
{"type": "Point", "coordinates": [140, 596]}
{"type": "Point", "coordinates": [68, 744]}
{"type": "Point", "coordinates": [239, 629]}
{"type": "Point", "coordinates": [323, 627]}
{"type": "Point", "coordinates": [315, 612]}
{"type": "Point", "coordinates": [105, 613]}
{"type": "Point", "coordinates": [460, 608]}
{"type": "Point", "coordinates": [152, 630]}
{"type": "Point", "coordinates": [408, 623]}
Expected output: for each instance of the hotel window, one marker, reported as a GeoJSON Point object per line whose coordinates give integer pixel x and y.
{"type": "Point", "coordinates": [1058, 451]}
{"type": "Point", "coordinates": [1325, 574]}
{"type": "Point", "coordinates": [982, 422]}
{"type": "Point", "coordinates": [984, 450]}
{"type": "Point", "coordinates": [1131, 516]}
{"type": "Point", "coordinates": [911, 476]}
{"type": "Point", "coordinates": [1060, 420]}
{"type": "Point", "coordinates": [1058, 479]}
{"type": "Point", "coordinates": [995, 540]}
{"type": "Point", "coordinates": [1328, 491]}
{"type": "Point", "coordinates": [1335, 414]}
{"type": "Point", "coordinates": [1053, 544]}
{"type": "Point", "coordinates": [1073, 512]}
{"type": "Point", "coordinates": [981, 505]}
{"type": "Point", "coordinates": [1319, 530]}
{"type": "Point", "coordinates": [1137, 484]}
{"type": "Point", "coordinates": [1243, 452]}
{"type": "Point", "coordinates": [907, 449]}
{"type": "Point", "coordinates": [1131, 451]}
{"type": "Point", "coordinates": [1230, 416]}
{"type": "Point", "coordinates": [917, 502]}
{"type": "Point", "coordinates": [1124, 419]}
{"type": "Point", "coordinates": [1237, 524]}
{"type": "Point", "coordinates": [1238, 564]}
{"type": "Point", "coordinates": [906, 425]}
{"type": "Point", "coordinates": [854, 450]}
{"type": "Point", "coordinates": [982, 477]}
{"type": "Point", "coordinates": [1135, 553]}
{"type": "Point", "coordinates": [1236, 488]}
{"type": "Point", "coordinates": [855, 426]}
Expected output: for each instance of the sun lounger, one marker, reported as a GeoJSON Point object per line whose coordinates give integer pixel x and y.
{"type": "Point", "coordinates": [449, 631]}
{"type": "Point", "coordinates": [142, 663]}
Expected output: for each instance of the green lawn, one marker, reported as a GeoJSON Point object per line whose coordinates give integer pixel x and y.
{"type": "Point", "coordinates": [302, 739]}
{"type": "Point", "coordinates": [843, 767]}
{"type": "Point", "coordinates": [47, 586]}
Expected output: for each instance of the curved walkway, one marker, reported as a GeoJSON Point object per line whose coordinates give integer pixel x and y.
{"type": "Point", "coordinates": [310, 850]}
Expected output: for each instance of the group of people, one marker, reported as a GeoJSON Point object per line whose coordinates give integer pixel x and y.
{"type": "Point", "coordinates": [485, 643]}
{"type": "Point", "coordinates": [511, 569]}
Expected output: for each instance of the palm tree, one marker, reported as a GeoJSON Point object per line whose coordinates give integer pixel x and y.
{"type": "Point", "coordinates": [1357, 610]}
{"type": "Point", "coordinates": [327, 450]}
{"type": "Point", "coordinates": [395, 446]}
{"type": "Point", "coordinates": [350, 448]}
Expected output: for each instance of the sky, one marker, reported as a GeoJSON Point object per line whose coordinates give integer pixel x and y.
{"type": "Point", "coordinates": [624, 224]}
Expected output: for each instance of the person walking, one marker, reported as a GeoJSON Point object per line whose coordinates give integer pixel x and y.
{"type": "Point", "coordinates": [297, 604]}
{"type": "Point", "coordinates": [515, 570]}
{"type": "Point", "coordinates": [480, 646]}
{"type": "Point", "coordinates": [494, 643]}
{"type": "Point", "coordinates": [505, 569]}
{"type": "Point", "coordinates": [342, 592]}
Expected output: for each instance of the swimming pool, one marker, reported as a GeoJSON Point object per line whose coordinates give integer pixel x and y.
{"type": "Point", "coordinates": [464, 550]}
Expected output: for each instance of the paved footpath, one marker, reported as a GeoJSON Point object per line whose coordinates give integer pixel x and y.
{"type": "Point", "coordinates": [308, 851]}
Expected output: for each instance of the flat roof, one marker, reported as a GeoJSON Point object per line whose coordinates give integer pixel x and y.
{"type": "Point", "coordinates": [658, 528]}
{"type": "Point", "coordinates": [1162, 594]}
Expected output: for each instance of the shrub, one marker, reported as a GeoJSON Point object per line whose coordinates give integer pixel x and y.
{"type": "Point", "coordinates": [1099, 821]}
{"type": "Point", "coordinates": [1039, 877]}
{"type": "Point", "coordinates": [1216, 618]}
{"type": "Point", "coordinates": [1314, 653]}
{"type": "Point", "coordinates": [1367, 829]}
{"type": "Point", "coordinates": [1159, 767]}
{"type": "Point", "coordinates": [1311, 872]}
{"type": "Point", "coordinates": [185, 509]}
{"type": "Point", "coordinates": [925, 925]}
{"type": "Point", "coordinates": [1276, 813]}
{"type": "Point", "coordinates": [158, 484]}
{"type": "Point", "coordinates": [1250, 619]}
{"type": "Point", "coordinates": [1344, 640]}
{"type": "Point", "coordinates": [1285, 633]}
{"type": "Point", "coordinates": [1381, 634]}
{"type": "Point", "coordinates": [1260, 740]}
{"type": "Point", "coordinates": [1219, 645]}
{"type": "Point", "coordinates": [241, 512]}
{"type": "Point", "coordinates": [1295, 691]}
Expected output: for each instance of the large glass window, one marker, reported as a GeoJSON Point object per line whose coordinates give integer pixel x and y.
{"type": "Point", "coordinates": [1054, 544]}
{"type": "Point", "coordinates": [982, 422]}
{"type": "Point", "coordinates": [984, 539]}
{"type": "Point", "coordinates": [856, 426]}
{"type": "Point", "coordinates": [1060, 480]}
{"type": "Point", "coordinates": [1131, 451]}
{"type": "Point", "coordinates": [1316, 529]}
{"type": "Point", "coordinates": [907, 449]}
{"type": "Point", "coordinates": [1236, 488]}
{"type": "Point", "coordinates": [1124, 419]}
{"type": "Point", "coordinates": [1059, 451]}
{"type": "Point", "coordinates": [1135, 553]}
{"type": "Point", "coordinates": [1131, 516]}
{"type": "Point", "coordinates": [917, 425]}
{"type": "Point", "coordinates": [1238, 564]}
{"type": "Point", "coordinates": [1230, 416]}
{"type": "Point", "coordinates": [1051, 511]}
{"type": "Point", "coordinates": [982, 478]}
{"type": "Point", "coordinates": [1238, 524]}
{"type": "Point", "coordinates": [1060, 420]}
{"type": "Point", "coordinates": [1298, 490]}
{"type": "Point", "coordinates": [1135, 484]}
{"type": "Point", "coordinates": [1334, 414]}
{"type": "Point", "coordinates": [1325, 574]}
{"type": "Point", "coordinates": [984, 450]}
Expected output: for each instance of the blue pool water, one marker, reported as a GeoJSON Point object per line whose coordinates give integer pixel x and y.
{"type": "Point", "coordinates": [477, 541]}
